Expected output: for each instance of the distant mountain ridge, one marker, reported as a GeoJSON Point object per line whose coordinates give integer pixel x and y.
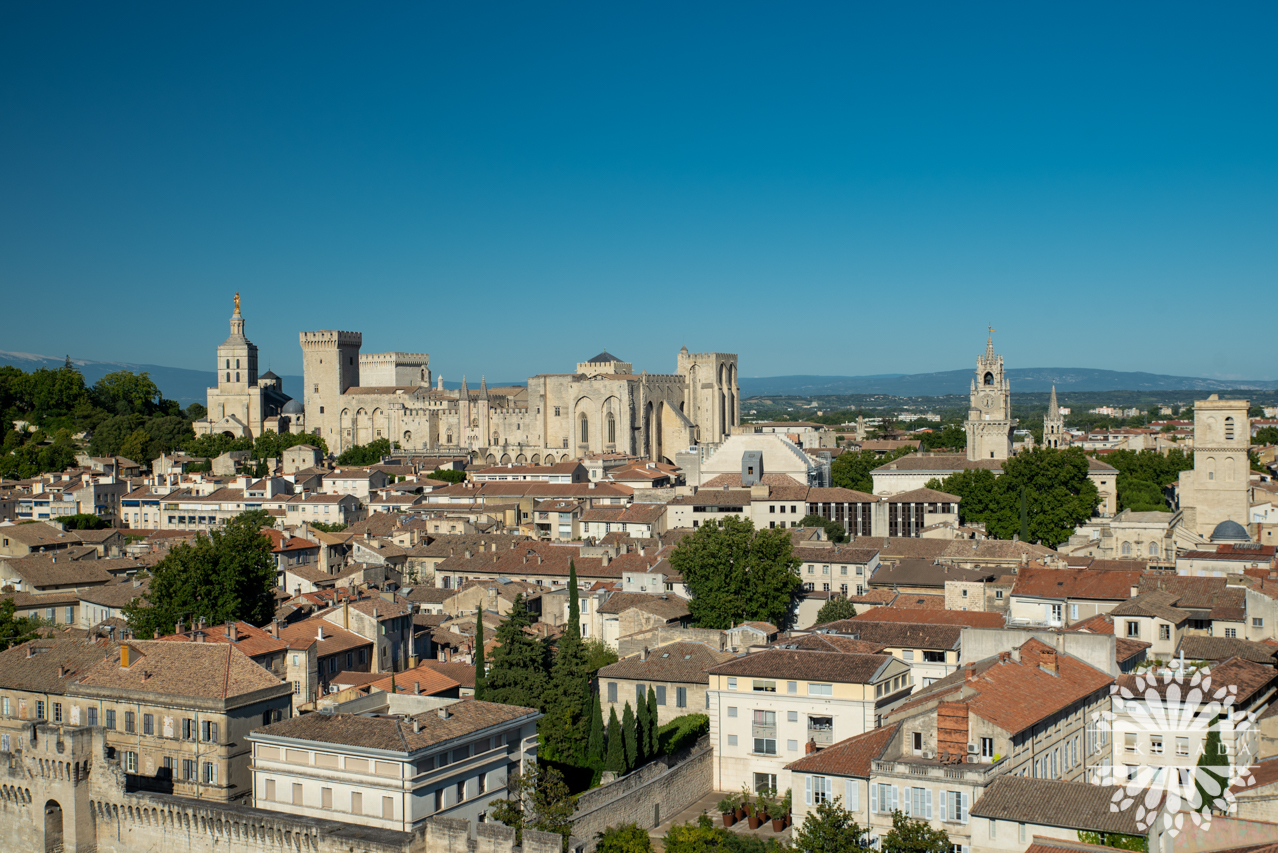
{"type": "Point", "coordinates": [177, 383]}
{"type": "Point", "coordinates": [189, 386]}
{"type": "Point", "coordinates": [1028, 379]}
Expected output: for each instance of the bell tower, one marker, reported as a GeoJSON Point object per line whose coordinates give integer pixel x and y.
{"type": "Point", "coordinates": [1054, 434]}
{"type": "Point", "coordinates": [989, 421]}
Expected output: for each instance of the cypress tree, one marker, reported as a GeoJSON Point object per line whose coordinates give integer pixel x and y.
{"type": "Point", "coordinates": [642, 728]}
{"type": "Point", "coordinates": [518, 675]}
{"type": "Point", "coordinates": [1213, 756]}
{"type": "Point", "coordinates": [630, 731]}
{"type": "Point", "coordinates": [481, 675]}
{"type": "Point", "coordinates": [566, 727]}
{"type": "Point", "coordinates": [616, 751]}
{"type": "Point", "coordinates": [654, 736]}
{"type": "Point", "coordinates": [595, 743]}
{"type": "Point", "coordinates": [1024, 518]}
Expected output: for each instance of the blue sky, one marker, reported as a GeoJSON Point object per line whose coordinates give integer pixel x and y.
{"type": "Point", "coordinates": [832, 189]}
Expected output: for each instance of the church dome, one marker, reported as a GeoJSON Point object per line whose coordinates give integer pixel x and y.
{"type": "Point", "coordinates": [293, 407]}
{"type": "Point", "coordinates": [1230, 531]}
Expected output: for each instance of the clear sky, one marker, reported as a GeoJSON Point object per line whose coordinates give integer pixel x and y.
{"type": "Point", "coordinates": [851, 188]}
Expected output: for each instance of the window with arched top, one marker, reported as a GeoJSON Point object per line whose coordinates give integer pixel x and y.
{"type": "Point", "coordinates": [1127, 549]}
{"type": "Point", "coordinates": [1153, 549]}
{"type": "Point", "coordinates": [612, 428]}
{"type": "Point", "coordinates": [496, 440]}
{"type": "Point", "coordinates": [989, 378]}
{"type": "Point", "coordinates": [585, 428]}
{"type": "Point", "coordinates": [448, 439]}
{"type": "Point", "coordinates": [237, 376]}
{"type": "Point", "coordinates": [474, 422]}
{"type": "Point", "coordinates": [1229, 429]}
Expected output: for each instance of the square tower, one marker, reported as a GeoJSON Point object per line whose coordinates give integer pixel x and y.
{"type": "Point", "coordinates": [712, 395]}
{"type": "Point", "coordinates": [989, 421]}
{"type": "Point", "coordinates": [330, 365]}
{"type": "Point", "coordinates": [1216, 489]}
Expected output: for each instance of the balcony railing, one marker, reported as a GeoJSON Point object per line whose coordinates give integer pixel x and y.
{"type": "Point", "coordinates": [976, 774]}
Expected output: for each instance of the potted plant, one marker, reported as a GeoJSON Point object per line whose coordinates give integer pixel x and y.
{"type": "Point", "coordinates": [728, 808]}
{"type": "Point", "coordinates": [759, 809]}
{"type": "Point", "coordinates": [786, 802]}
{"type": "Point", "coordinates": [744, 807]}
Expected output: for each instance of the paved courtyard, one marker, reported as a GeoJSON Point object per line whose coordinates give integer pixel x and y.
{"type": "Point", "coordinates": [709, 805]}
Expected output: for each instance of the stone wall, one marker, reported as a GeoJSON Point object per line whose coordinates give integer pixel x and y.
{"type": "Point", "coordinates": [663, 635]}
{"type": "Point", "coordinates": [647, 796]}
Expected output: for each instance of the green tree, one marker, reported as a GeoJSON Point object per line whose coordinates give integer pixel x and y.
{"type": "Point", "coordinates": [538, 800]}
{"type": "Point", "coordinates": [951, 437]}
{"type": "Point", "coordinates": [627, 838]}
{"type": "Point", "coordinates": [125, 392]}
{"type": "Point", "coordinates": [518, 675]}
{"type": "Point", "coordinates": [643, 731]}
{"type": "Point", "coordinates": [654, 740]}
{"type": "Point", "coordinates": [565, 727]}
{"type": "Point", "coordinates": [851, 470]}
{"type": "Point", "coordinates": [828, 827]}
{"type": "Point", "coordinates": [14, 629]}
{"type": "Point", "coordinates": [1117, 840]}
{"type": "Point", "coordinates": [480, 668]}
{"type": "Point", "coordinates": [699, 836]}
{"type": "Point", "coordinates": [365, 454]}
{"type": "Point", "coordinates": [833, 530]}
{"type": "Point", "coordinates": [1213, 756]}
{"type": "Point", "coordinates": [327, 527]}
{"type": "Point", "coordinates": [1265, 436]}
{"type": "Point", "coordinates": [914, 836]}
{"type": "Point", "coordinates": [225, 576]}
{"type": "Point", "coordinates": [137, 447]}
{"type": "Point", "coordinates": [630, 734]}
{"type": "Point", "coordinates": [449, 476]}
{"type": "Point", "coordinates": [598, 655]}
{"type": "Point", "coordinates": [595, 743]}
{"type": "Point", "coordinates": [616, 761]}
{"type": "Point", "coordinates": [738, 574]}
{"type": "Point", "coordinates": [835, 609]}
{"type": "Point", "coordinates": [83, 521]}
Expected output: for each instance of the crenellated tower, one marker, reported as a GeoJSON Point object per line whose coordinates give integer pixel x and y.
{"type": "Point", "coordinates": [989, 418]}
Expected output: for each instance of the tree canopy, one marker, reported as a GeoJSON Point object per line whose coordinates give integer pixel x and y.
{"type": "Point", "coordinates": [833, 530]}
{"type": "Point", "coordinates": [828, 827]}
{"type": "Point", "coordinates": [1058, 496]}
{"type": "Point", "coordinates": [737, 573]}
{"type": "Point", "coordinates": [518, 673]}
{"type": "Point", "coordinates": [914, 836]}
{"type": "Point", "coordinates": [951, 437]}
{"type": "Point", "coordinates": [851, 469]}
{"type": "Point", "coordinates": [226, 575]}
{"type": "Point", "coordinates": [15, 629]}
{"type": "Point", "coordinates": [365, 454]}
{"type": "Point", "coordinates": [1142, 476]}
{"type": "Point", "coordinates": [835, 609]}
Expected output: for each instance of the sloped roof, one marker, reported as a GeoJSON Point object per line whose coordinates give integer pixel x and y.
{"type": "Point", "coordinates": [849, 757]}
{"type": "Point", "coordinates": [678, 662]}
{"type": "Point", "coordinates": [1076, 583]}
{"type": "Point", "coordinates": [604, 357]}
{"type": "Point", "coordinates": [201, 670]}
{"type": "Point", "coordinates": [1050, 802]}
{"type": "Point", "coordinates": [806, 665]}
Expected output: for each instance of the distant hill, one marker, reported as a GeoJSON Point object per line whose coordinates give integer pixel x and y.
{"type": "Point", "coordinates": [1025, 379]}
{"type": "Point", "coordinates": [177, 383]}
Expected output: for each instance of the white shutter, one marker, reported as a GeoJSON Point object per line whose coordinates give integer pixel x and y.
{"type": "Point", "coordinates": [829, 790]}
{"type": "Point", "coordinates": [852, 801]}
{"type": "Point", "coordinates": [906, 806]}
{"type": "Point", "coordinates": [896, 801]}
{"type": "Point", "coordinates": [807, 790]}
{"type": "Point", "coordinates": [928, 804]}
{"type": "Point", "coordinates": [963, 808]}
{"type": "Point", "coordinates": [874, 798]}
{"type": "Point", "coordinates": [945, 801]}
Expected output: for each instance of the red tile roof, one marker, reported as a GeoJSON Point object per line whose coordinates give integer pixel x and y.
{"type": "Point", "coordinates": [849, 757]}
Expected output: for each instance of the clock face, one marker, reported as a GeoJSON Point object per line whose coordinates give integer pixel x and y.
{"type": "Point", "coordinates": [987, 401]}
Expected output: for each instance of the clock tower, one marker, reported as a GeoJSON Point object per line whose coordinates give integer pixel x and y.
{"type": "Point", "coordinates": [989, 418]}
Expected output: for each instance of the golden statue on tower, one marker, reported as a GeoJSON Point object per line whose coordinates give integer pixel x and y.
{"type": "Point", "coordinates": [237, 302]}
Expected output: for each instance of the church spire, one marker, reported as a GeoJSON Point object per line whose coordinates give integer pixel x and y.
{"type": "Point", "coordinates": [1053, 410]}
{"type": "Point", "coordinates": [483, 386]}
{"type": "Point", "coordinates": [989, 345]}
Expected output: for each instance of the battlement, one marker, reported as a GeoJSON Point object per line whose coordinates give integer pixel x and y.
{"type": "Point", "coordinates": [328, 338]}
{"type": "Point", "coordinates": [703, 356]}
{"type": "Point", "coordinates": [416, 359]}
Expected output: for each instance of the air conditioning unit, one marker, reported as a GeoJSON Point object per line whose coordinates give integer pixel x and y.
{"type": "Point", "coordinates": [927, 753]}
{"type": "Point", "coordinates": [971, 749]}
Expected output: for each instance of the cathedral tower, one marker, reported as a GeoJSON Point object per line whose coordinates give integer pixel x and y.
{"type": "Point", "coordinates": [1054, 434]}
{"type": "Point", "coordinates": [989, 421]}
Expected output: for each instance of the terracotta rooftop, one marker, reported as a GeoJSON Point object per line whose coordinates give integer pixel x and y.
{"type": "Point", "coordinates": [677, 662]}
{"type": "Point", "coordinates": [929, 616]}
{"type": "Point", "coordinates": [849, 757]}
{"type": "Point", "coordinates": [200, 670]}
{"type": "Point", "coordinates": [1049, 802]}
{"type": "Point", "coordinates": [806, 665]}
{"type": "Point", "coordinates": [1076, 583]}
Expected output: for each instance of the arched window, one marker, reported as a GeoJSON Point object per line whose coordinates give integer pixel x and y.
{"type": "Point", "coordinates": [228, 362]}
{"type": "Point", "coordinates": [1229, 429]}
{"type": "Point", "coordinates": [228, 377]}
{"type": "Point", "coordinates": [448, 439]}
{"type": "Point", "coordinates": [612, 429]}
{"type": "Point", "coordinates": [496, 439]}
{"type": "Point", "coordinates": [1127, 549]}
{"type": "Point", "coordinates": [1153, 549]}
{"type": "Point", "coordinates": [585, 429]}
{"type": "Point", "coordinates": [408, 436]}
{"type": "Point", "coordinates": [237, 363]}
{"type": "Point", "coordinates": [989, 379]}
{"type": "Point", "coordinates": [237, 376]}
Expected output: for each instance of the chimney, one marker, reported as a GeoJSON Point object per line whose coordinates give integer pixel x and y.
{"type": "Point", "coordinates": [1004, 657]}
{"type": "Point", "coordinates": [1047, 661]}
{"type": "Point", "coordinates": [644, 654]}
{"type": "Point", "coordinates": [443, 714]}
{"type": "Point", "coordinates": [319, 632]}
{"type": "Point", "coordinates": [417, 688]}
{"type": "Point", "coordinates": [199, 636]}
{"type": "Point", "coordinates": [417, 726]}
{"type": "Point", "coordinates": [62, 672]}
{"type": "Point", "coordinates": [30, 650]}
{"type": "Point", "coordinates": [181, 627]}
{"type": "Point", "coordinates": [275, 628]}
{"type": "Point", "coordinates": [969, 671]}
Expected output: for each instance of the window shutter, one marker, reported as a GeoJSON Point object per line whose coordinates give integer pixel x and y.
{"type": "Point", "coordinates": [945, 799]}
{"type": "Point", "coordinates": [874, 797]}
{"type": "Point", "coordinates": [895, 798]}
{"type": "Point", "coordinates": [906, 806]}
{"type": "Point", "coordinates": [927, 806]}
{"type": "Point", "coordinates": [963, 808]}
{"type": "Point", "coordinates": [852, 803]}
{"type": "Point", "coordinates": [807, 788]}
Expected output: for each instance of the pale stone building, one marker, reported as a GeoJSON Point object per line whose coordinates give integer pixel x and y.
{"type": "Point", "coordinates": [1054, 432]}
{"type": "Point", "coordinates": [1217, 488]}
{"type": "Point", "coordinates": [989, 421]}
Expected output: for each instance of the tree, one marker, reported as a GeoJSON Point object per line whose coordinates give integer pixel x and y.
{"type": "Point", "coordinates": [538, 800]}
{"type": "Point", "coordinates": [630, 734]}
{"type": "Point", "coordinates": [829, 827]}
{"type": "Point", "coordinates": [448, 476]}
{"type": "Point", "coordinates": [480, 668]}
{"type": "Point", "coordinates": [654, 741]}
{"type": "Point", "coordinates": [851, 470]}
{"type": "Point", "coordinates": [228, 575]}
{"type": "Point", "coordinates": [627, 838]}
{"type": "Point", "coordinates": [835, 609]}
{"type": "Point", "coordinates": [1143, 475]}
{"type": "Point", "coordinates": [1265, 436]}
{"type": "Point", "coordinates": [1213, 756]}
{"type": "Point", "coordinates": [738, 574]}
{"type": "Point", "coordinates": [125, 392]}
{"type": "Point", "coordinates": [518, 674]}
{"type": "Point", "coordinates": [1116, 840]}
{"type": "Point", "coordinates": [14, 629]}
{"type": "Point", "coordinates": [833, 530]}
{"type": "Point", "coordinates": [327, 527]}
{"type": "Point", "coordinates": [365, 454]}
{"type": "Point", "coordinates": [643, 732]}
{"type": "Point", "coordinates": [598, 655]}
{"type": "Point", "coordinates": [914, 836]}
{"type": "Point", "coordinates": [700, 836]}
{"type": "Point", "coordinates": [83, 521]}
{"type": "Point", "coordinates": [951, 437]}
{"type": "Point", "coordinates": [566, 724]}
{"type": "Point", "coordinates": [595, 743]}
{"type": "Point", "coordinates": [616, 761]}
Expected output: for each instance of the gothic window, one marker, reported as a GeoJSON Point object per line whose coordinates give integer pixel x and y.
{"type": "Point", "coordinates": [1229, 429]}
{"type": "Point", "coordinates": [1153, 549]}
{"type": "Point", "coordinates": [585, 429]}
{"type": "Point", "coordinates": [448, 439]}
{"type": "Point", "coordinates": [989, 379]}
{"type": "Point", "coordinates": [1127, 549]}
{"type": "Point", "coordinates": [408, 436]}
{"type": "Point", "coordinates": [237, 376]}
{"type": "Point", "coordinates": [612, 429]}
{"type": "Point", "coordinates": [495, 438]}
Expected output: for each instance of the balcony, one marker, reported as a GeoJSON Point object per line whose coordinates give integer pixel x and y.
{"type": "Point", "coordinates": [821, 731]}
{"type": "Point", "coordinates": [972, 774]}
